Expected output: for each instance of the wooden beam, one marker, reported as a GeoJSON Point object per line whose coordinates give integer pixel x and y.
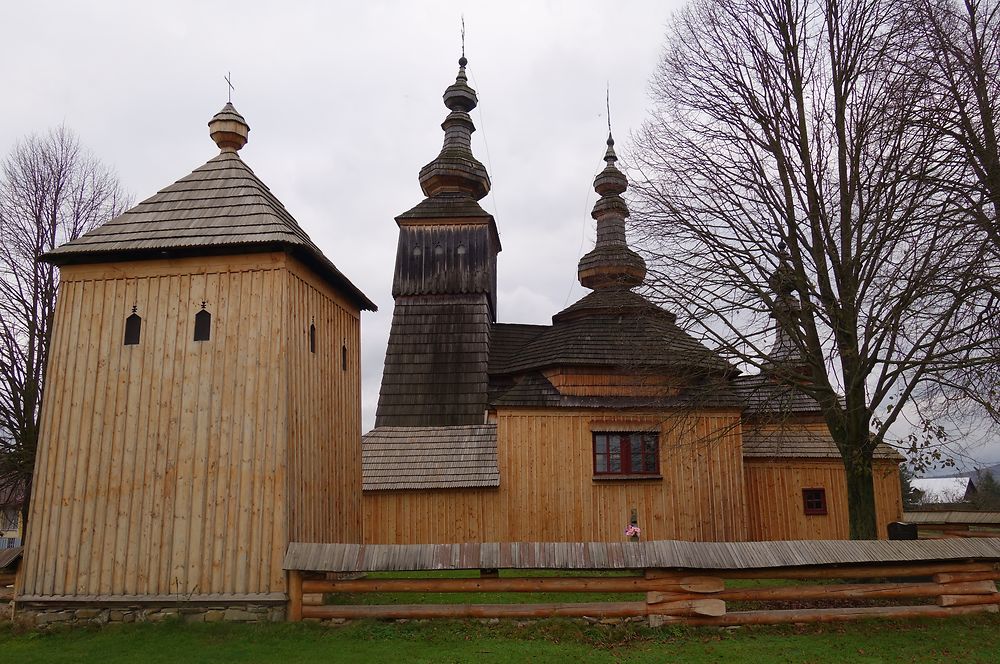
{"type": "Point", "coordinates": [611, 584]}
{"type": "Point", "coordinates": [686, 607]}
{"type": "Point", "coordinates": [959, 577]}
{"type": "Point", "coordinates": [832, 571]}
{"type": "Point", "coordinates": [295, 608]}
{"type": "Point", "coordinates": [845, 591]}
{"type": "Point", "coordinates": [417, 611]}
{"type": "Point", "coordinates": [833, 615]}
{"type": "Point", "coordinates": [968, 600]}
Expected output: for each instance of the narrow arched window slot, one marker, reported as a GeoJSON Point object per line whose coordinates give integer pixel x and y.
{"type": "Point", "coordinates": [133, 328]}
{"type": "Point", "coordinates": [312, 338]}
{"type": "Point", "coordinates": [202, 325]}
{"type": "Point", "coordinates": [343, 357]}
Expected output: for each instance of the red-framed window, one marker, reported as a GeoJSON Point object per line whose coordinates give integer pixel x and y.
{"type": "Point", "coordinates": [626, 453]}
{"type": "Point", "coordinates": [814, 501]}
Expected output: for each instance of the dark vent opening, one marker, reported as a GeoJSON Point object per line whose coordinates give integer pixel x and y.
{"type": "Point", "coordinates": [343, 357]}
{"type": "Point", "coordinates": [133, 328]}
{"type": "Point", "coordinates": [202, 326]}
{"type": "Point", "coordinates": [312, 338]}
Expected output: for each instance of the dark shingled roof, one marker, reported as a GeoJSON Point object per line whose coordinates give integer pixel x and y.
{"type": "Point", "coordinates": [220, 208]}
{"type": "Point", "coordinates": [635, 338]}
{"type": "Point", "coordinates": [430, 457]}
{"type": "Point", "coordinates": [799, 444]}
{"type": "Point", "coordinates": [435, 362]}
{"type": "Point", "coordinates": [764, 396]}
{"type": "Point", "coordinates": [509, 339]}
{"type": "Point", "coordinates": [447, 205]}
{"type": "Point", "coordinates": [530, 390]}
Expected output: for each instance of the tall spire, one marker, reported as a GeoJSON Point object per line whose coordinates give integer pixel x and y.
{"type": "Point", "coordinates": [784, 352]}
{"type": "Point", "coordinates": [611, 264]}
{"type": "Point", "coordinates": [455, 170]}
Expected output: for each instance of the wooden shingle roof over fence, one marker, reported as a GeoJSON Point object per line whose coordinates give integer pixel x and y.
{"type": "Point", "coordinates": [628, 555]}
{"type": "Point", "coordinates": [430, 457]}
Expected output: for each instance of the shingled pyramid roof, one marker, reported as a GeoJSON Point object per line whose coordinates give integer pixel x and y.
{"type": "Point", "coordinates": [222, 207]}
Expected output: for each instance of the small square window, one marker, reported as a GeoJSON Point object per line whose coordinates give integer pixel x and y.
{"type": "Point", "coordinates": [814, 501]}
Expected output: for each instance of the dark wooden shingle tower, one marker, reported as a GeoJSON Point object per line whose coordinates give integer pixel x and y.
{"type": "Point", "coordinates": [444, 286]}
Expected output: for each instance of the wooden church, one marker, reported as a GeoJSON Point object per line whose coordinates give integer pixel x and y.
{"type": "Point", "coordinates": [202, 406]}
{"type": "Point", "coordinates": [610, 416]}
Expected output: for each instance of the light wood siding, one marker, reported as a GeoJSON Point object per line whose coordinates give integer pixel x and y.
{"type": "Point", "coordinates": [324, 414]}
{"type": "Point", "coordinates": [548, 493]}
{"type": "Point", "coordinates": [161, 466]}
{"type": "Point", "coordinates": [774, 498]}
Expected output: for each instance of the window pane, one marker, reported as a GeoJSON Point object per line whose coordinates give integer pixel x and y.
{"type": "Point", "coordinates": [636, 460]}
{"type": "Point", "coordinates": [601, 444]}
{"type": "Point", "coordinates": [615, 461]}
{"type": "Point", "coordinates": [601, 463]}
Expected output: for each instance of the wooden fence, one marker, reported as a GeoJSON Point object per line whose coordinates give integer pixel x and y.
{"type": "Point", "coordinates": [940, 524]}
{"type": "Point", "coordinates": [910, 579]}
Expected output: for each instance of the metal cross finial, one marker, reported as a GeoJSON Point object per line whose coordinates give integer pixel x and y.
{"type": "Point", "coordinates": [229, 82]}
{"type": "Point", "coordinates": [607, 103]}
{"type": "Point", "coordinates": [463, 35]}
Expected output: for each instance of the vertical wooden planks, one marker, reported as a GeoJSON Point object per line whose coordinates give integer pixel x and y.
{"type": "Point", "coordinates": [134, 486]}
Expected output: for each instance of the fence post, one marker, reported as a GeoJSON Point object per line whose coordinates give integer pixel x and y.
{"type": "Point", "coordinates": [294, 595]}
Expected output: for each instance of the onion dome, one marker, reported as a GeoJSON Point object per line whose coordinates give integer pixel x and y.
{"type": "Point", "coordinates": [786, 309]}
{"type": "Point", "coordinates": [228, 129]}
{"type": "Point", "coordinates": [455, 170]}
{"type": "Point", "coordinates": [611, 264]}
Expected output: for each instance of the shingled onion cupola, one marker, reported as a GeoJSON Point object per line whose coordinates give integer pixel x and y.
{"type": "Point", "coordinates": [228, 129]}
{"type": "Point", "coordinates": [785, 354]}
{"type": "Point", "coordinates": [444, 285]}
{"type": "Point", "coordinates": [611, 264]}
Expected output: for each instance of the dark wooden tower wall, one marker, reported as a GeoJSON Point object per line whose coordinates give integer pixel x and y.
{"type": "Point", "coordinates": [438, 259]}
{"type": "Point", "coordinates": [436, 364]}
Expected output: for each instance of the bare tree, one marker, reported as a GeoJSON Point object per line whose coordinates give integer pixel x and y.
{"type": "Point", "coordinates": [51, 191]}
{"type": "Point", "coordinates": [961, 63]}
{"type": "Point", "coordinates": [783, 175]}
{"type": "Point", "coordinates": [963, 54]}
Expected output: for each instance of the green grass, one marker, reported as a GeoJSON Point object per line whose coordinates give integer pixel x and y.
{"type": "Point", "coordinates": [966, 639]}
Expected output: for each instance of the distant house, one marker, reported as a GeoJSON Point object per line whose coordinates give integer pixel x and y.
{"type": "Point", "coordinates": [943, 490]}
{"type": "Point", "coordinates": [11, 524]}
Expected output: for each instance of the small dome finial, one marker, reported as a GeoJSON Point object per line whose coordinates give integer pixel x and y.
{"type": "Point", "coordinates": [228, 129]}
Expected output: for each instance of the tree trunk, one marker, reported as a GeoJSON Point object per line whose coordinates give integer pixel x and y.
{"type": "Point", "coordinates": [860, 495]}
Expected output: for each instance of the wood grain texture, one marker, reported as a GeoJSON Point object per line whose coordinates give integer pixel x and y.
{"type": "Point", "coordinates": [170, 467]}
{"type": "Point", "coordinates": [325, 413]}
{"type": "Point", "coordinates": [774, 498]}
{"type": "Point", "coordinates": [700, 495]}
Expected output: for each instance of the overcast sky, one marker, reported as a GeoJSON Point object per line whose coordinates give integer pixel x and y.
{"type": "Point", "coordinates": [344, 104]}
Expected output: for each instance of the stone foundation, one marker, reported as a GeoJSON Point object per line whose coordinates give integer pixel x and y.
{"type": "Point", "coordinates": [43, 618]}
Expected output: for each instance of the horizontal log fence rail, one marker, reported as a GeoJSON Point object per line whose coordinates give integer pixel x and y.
{"type": "Point", "coordinates": [693, 583]}
{"type": "Point", "coordinates": [941, 524]}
